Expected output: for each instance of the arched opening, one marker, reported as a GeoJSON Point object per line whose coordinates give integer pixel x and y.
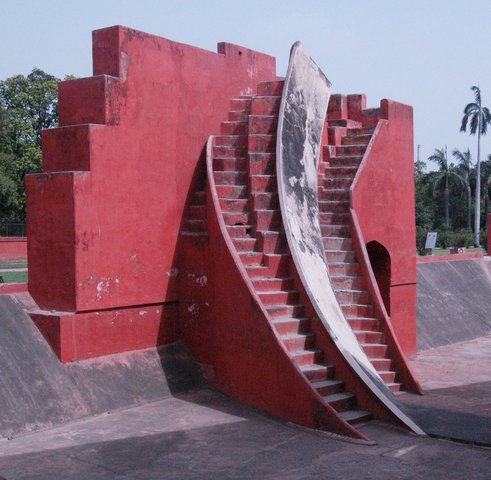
{"type": "Point", "coordinates": [380, 261]}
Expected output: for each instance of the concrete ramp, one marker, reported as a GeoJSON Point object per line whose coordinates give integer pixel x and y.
{"type": "Point", "coordinates": [37, 391]}
{"type": "Point", "coordinates": [454, 302]}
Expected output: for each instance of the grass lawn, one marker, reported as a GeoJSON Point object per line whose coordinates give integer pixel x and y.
{"type": "Point", "coordinates": [14, 277]}
{"type": "Point", "coordinates": [446, 251]}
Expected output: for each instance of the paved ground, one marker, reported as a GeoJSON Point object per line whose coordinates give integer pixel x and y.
{"type": "Point", "coordinates": [203, 435]}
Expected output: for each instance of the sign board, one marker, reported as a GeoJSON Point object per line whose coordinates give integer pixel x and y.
{"type": "Point", "coordinates": [430, 240]}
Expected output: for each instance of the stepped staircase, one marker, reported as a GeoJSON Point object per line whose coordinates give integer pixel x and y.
{"type": "Point", "coordinates": [339, 166]}
{"type": "Point", "coordinates": [244, 170]}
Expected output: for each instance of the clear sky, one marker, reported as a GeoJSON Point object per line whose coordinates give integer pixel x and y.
{"type": "Point", "coordinates": [426, 53]}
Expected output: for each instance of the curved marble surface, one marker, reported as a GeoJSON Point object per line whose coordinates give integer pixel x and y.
{"type": "Point", "coordinates": [302, 116]}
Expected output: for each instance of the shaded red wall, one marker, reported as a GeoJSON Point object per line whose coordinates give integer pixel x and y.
{"type": "Point", "coordinates": [384, 202]}
{"type": "Point", "coordinates": [104, 216]}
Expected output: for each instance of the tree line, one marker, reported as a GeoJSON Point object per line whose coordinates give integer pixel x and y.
{"type": "Point", "coordinates": [28, 104]}
{"type": "Point", "coordinates": [447, 199]}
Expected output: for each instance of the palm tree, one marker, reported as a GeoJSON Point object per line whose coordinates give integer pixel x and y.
{"type": "Point", "coordinates": [478, 118]}
{"type": "Point", "coordinates": [444, 174]}
{"type": "Point", "coordinates": [464, 160]}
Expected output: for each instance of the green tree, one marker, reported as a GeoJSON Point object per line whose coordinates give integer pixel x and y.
{"type": "Point", "coordinates": [477, 117]}
{"type": "Point", "coordinates": [28, 104]}
{"type": "Point", "coordinates": [444, 175]}
{"type": "Point", "coordinates": [464, 160]}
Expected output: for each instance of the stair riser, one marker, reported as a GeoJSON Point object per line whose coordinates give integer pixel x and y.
{"type": "Point", "coordinates": [334, 217]}
{"type": "Point", "coordinates": [344, 123]}
{"type": "Point", "coordinates": [356, 140]}
{"type": "Point", "coordinates": [266, 105]}
{"type": "Point", "coordinates": [230, 165]}
{"type": "Point", "coordinates": [229, 151]}
{"type": "Point", "coordinates": [340, 182]}
{"type": "Point", "coordinates": [353, 297]}
{"type": "Point", "coordinates": [265, 201]}
{"type": "Point", "coordinates": [271, 242]}
{"type": "Point", "coordinates": [382, 364]}
{"type": "Point", "coordinates": [231, 141]}
{"type": "Point", "coordinates": [197, 212]}
{"type": "Point", "coordinates": [388, 377]}
{"type": "Point", "coordinates": [375, 351]}
{"type": "Point", "coordinates": [195, 225]}
{"type": "Point", "coordinates": [363, 323]}
{"type": "Point", "coordinates": [245, 244]}
{"type": "Point", "coordinates": [268, 219]}
{"type": "Point", "coordinates": [360, 131]}
{"type": "Point", "coordinates": [345, 269]}
{"type": "Point", "coordinates": [338, 243]}
{"type": "Point", "coordinates": [333, 206]}
{"type": "Point", "coordinates": [348, 283]}
{"type": "Point", "coordinates": [239, 231]}
{"type": "Point", "coordinates": [278, 298]}
{"type": "Point", "coordinates": [308, 358]}
{"type": "Point", "coordinates": [298, 343]}
{"type": "Point", "coordinates": [293, 326]}
{"type": "Point", "coordinates": [231, 191]}
{"type": "Point", "coordinates": [263, 125]}
{"type": "Point", "coordinates": [395, 387]}
{"type": "Point", "coordinates": [285, 311]}
{"type": "Point", "coordinates": [234, 205]}
{"type": "Point", "coordinates": [234, 128]}
{"type": "Point", "coordinates": [273, 88]}
{"type": "Point", "coordinates": [344, 404]}
{"type": "Point", "coordinates": [263, 183]}
{"type": "Point", "coordinates": [330, 389]}
{"type": "Point", "coordinates": [342, 171]}
{"type": "Point", "coordinates": [350, 150]}
{"type": "Point", "coordinates": [251, 259]}
{"type": "Point", "coordinates": [346, 256]}
{"type": "Point", "coordinates": [273, 284]}
{"type": "Point", "coordinates": [231, 178]}
{"type": "Point", "coordinates": [236, 218]}
{"type": "Point", "coordinates": [369, 337]}
{"type": "Point", "coordinates": [278, 265]}
{"type": "Point", "coordinates": [262, 164]}
{"type": "Point", "coordinates": [333, 195]}
{"type": "Point", "coordinates": [357, 310]}
{"type": "Point", "coordinates": [238, 116]}
{"type": "Point", "coordinates": [262, 143]}
{"type": "Point", "coordinates": [320, 374]}
{"type": "Point", "coordinates": [198, 198]}
{"type": "Point", "coordinates": [241, 104]}
{"type": "Point", "coordinates": [346, 161]}
{"type": "Point", "coordinates": [335, 230]}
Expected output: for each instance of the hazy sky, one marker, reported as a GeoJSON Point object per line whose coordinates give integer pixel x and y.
{"type": "Point", "coordinates": [426, 53]}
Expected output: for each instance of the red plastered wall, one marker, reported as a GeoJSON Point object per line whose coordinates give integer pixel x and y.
{"type": "Point", "coordinates": [105, 235]}
{"type": "Point", "coordinates": [384, 202]}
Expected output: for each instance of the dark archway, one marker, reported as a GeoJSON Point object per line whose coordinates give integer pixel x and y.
{"type": "Point", "coordinates": [380, 261]}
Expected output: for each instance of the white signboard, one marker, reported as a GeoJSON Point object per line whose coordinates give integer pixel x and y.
{"type": "Point", "coordinates": [430, 240]}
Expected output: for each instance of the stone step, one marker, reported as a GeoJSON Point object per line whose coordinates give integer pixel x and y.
{"type": "Point", "coordinates": [363, 323]}
{"type": "Point", "coordinates": [296, 310]}
{"type": "Point", "coordinates": [238, 115]}
{"type": "Point", "coordinates": [271, 88]}
{"type": "Point", "coordinates": [234, 128]}
{"type": "Point", "coordinates": [341, 401]}
{"type": "Point", "coordinates": [354, 139]}
{"type": "Point", "coordinates": [307, 357]}
{"type": "Point", "coordinates": [354, 417]}
{"type": "Point", "coordinates": [197, 212]}
{"type": "Point", "coordinates": [251, 258]}
{"type": "Point", "coordinates": [261, 143]}
{"type": "Point", "coordinates": [266, 105]}
{"type": "Point", "coordinates": [229, 164]}
{"type": "Point", "coordinates": [231, 140]}
{"type": "Point", "coordinates": [230, 151]}
{"type": "Point", "coordinates": [262, 163]}
{"type": "Point", "coordinates": [344, 268]}
{"type": "Point", "coordinates": [270, 284]}
{"type": "Point", "coordinates": [357, 310]}
{"type": "Point", "coordinates": [375, 350]}
{"type": "Point", "coordinates": [299, 341]}
{"type": "Point", "coordinates": [333, 230]}
{"type": "Point", "coordinates": [318, 371]}
{"type": "Point", "coordinates": [337, 243]}
{"type": "Point", "coordinates": [230, 178]}
{"type": "Point", "coordinates": [344, 123]}
{"type": "Point", "coordinates": [352, 297]}
{"type": "Point", "coordinates": [263, 183]}
{"type": "Point", "coordinates": [337, 182]}
{"type": "Point", "coordinates": [263, 124]}
{"type": "Point", "coordinates": [232, 191]}
{"type": "Point", "coordinates": [331, 205]}
{"type": "Point", "coordinates": [279, 297]}
{"type": "Point", "coordinates": [369, 336]}
{"type": "Point", "coordinates": [329, 387]}
{"type": "Point", "coordinates": [241, 103]}
{"type": "Point", "coordinates": [288, 325]}
{"type": "Point", "coordinates": [339, 256]}
{"type": "Point", "coordinates": [265, 200]}
{"type": "Point", "coordinates": [348, 282]}
{"type": "Point", "coordinates": [346, 160]}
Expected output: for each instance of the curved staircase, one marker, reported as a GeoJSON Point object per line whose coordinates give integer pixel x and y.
{"type": "Point", "coordinates": [245, 178]}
